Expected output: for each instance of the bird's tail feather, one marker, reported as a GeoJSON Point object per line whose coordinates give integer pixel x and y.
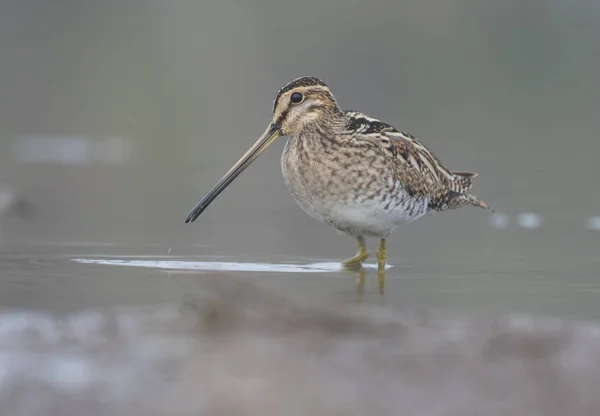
{"type": "Point", "coordinates": [465, 179]}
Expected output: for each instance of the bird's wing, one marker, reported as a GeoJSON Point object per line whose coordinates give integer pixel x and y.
{"type": "Point", "coordinates": [415, 166]}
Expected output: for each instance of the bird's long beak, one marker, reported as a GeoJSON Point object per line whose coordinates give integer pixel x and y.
{"type": "Point", "coordinates": [268, 137]}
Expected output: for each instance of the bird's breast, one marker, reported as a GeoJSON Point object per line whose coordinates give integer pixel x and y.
{"type": "Point", "coordinates": [347, 194]}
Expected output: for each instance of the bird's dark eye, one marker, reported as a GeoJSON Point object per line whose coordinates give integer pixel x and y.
{"type": "Point", "coordinates": [296, 97]}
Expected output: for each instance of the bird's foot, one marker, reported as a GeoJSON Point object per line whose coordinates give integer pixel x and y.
{"type": "Point", "coordinates": [355, 262]}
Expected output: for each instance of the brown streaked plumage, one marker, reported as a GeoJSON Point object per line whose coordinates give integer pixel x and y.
{"type": "Point", "coordinates": [356, 173]}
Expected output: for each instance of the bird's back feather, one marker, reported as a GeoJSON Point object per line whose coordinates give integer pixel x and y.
{"type": "Point", "coordinates": [415, 166]}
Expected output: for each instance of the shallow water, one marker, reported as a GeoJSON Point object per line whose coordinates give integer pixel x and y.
{"type": "Point", "coordinates": [99, 329]}
{"type": "Point", "coordinates": [239, 350]}
{"type": "Point", "coordinates": [67, 276]}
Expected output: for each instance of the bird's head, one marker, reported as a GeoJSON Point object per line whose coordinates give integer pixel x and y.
{"type": "Point", "coordinates": [301, 102]}
{"type": "Point", "coordinates": [297, 105]}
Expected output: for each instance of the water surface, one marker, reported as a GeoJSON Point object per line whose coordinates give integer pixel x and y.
{"type": "Point", "coordinates": [67, 276]}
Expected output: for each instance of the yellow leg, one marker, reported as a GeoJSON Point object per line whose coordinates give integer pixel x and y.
{"type": "Point", "coordinates": [381, 257]}
{"type": "Point", "coordinates": [356, 261]}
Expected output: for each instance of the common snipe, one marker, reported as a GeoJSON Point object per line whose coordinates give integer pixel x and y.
{"type": "Point", "coordinates": [353, 172]}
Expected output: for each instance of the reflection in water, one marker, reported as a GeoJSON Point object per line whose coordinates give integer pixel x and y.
{"type": "Point", "coordinates": [244, 352]}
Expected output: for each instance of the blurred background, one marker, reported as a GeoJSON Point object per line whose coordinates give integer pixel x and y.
{"type": "Point", "coordinates": [116, 116]}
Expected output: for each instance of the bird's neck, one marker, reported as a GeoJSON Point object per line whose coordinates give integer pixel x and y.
{"type": "Point", "coordinates": [324, 131]}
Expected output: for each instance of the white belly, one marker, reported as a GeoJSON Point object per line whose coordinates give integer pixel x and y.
{"type": "Point", "coordinates": [369, 218]}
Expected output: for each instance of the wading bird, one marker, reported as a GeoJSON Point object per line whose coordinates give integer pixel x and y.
{"type": "Point", "coordinates": [353, 172]}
